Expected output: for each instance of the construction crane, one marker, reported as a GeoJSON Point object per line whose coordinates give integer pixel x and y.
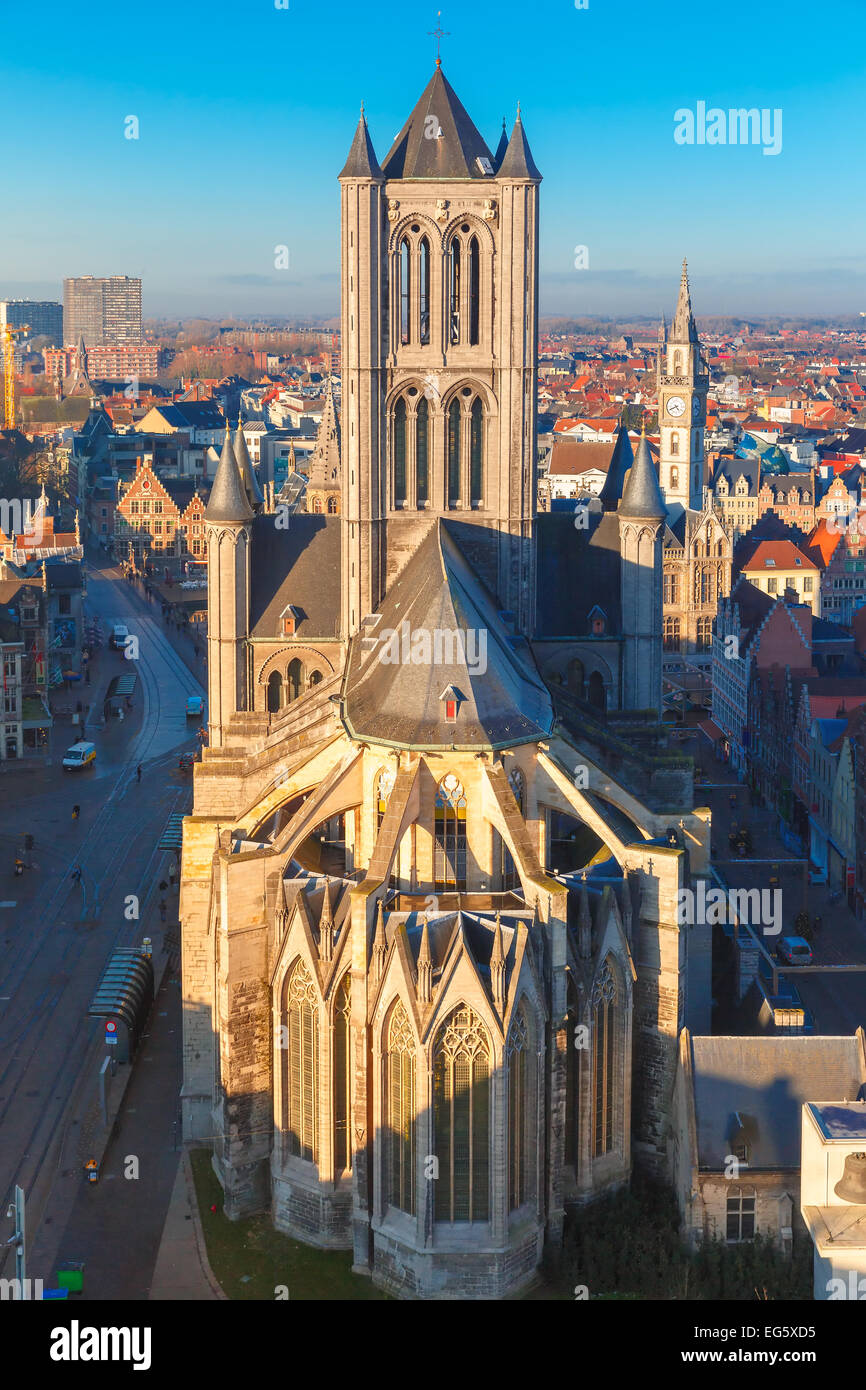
{"type": "Point", "coordinates": [7, 334]}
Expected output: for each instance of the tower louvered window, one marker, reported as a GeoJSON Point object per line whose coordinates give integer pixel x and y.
{"type": "Point", "coordinates": [400, 452]}
{"type": "Point", "coordinates": [518, 1136]}
{"type": "Point", "coordinates": [476, 451]}
{"type": "Point", "coordinates": [454, 306]}
{"type": "Point", "coordinates": [405, 290]}
{"type": "Point", "coordinates": [399, 1176]}
{"type": "Point", "coordinates": [454, 462]}
{"type": "Point", "coordinates": [461, 1118]}
{"type": "Point", "coordinates": [302, 1065]}
{"type": "Point", "coordinates": [604, 1022]}
{"type": "Point", "coordinates": [424, 288]}
{"type": "Point", "coordinates": [474, 290]}
{"type": "Point", "coordinates": [449, 848]}
{"type": "Point", "coordinates": [422, 436]}
{"type": "Point", "coordinates": [342, 1076]}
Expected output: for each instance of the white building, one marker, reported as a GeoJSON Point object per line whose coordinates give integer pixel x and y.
{"type": "Point", "coordinates": [833, 1195]}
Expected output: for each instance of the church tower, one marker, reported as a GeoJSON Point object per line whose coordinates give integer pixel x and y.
{"type": "Point", "coordinates": [682, 383]}
{"type": "Point", "coordinates": [228, 517]}
{"type": "Point", "coordinates": [439, 333]}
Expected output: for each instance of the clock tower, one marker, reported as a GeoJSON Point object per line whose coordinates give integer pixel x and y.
{"type": "Point", "coordinates": [682, 383]}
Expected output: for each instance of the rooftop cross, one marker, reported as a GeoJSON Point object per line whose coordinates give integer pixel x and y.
{"type": "Point", "coordinates": [438, 34]}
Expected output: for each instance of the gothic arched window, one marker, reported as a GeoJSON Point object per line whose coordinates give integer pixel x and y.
{"type": "Point", "coordinates": [454, 307]}
{"type": "Point", "coordinates": [400, 452]}
{"type": "Point", "coordinates": [294, 680]}
{"type": "Point", "coordinates": [474, 290]}
{"type": "Point", "coordinates": [519, 1125]}
{"type": "Point", "coordinates": [384, 788]}
{"type": "Point", "coordinates": [675, 442]}
{"type": "Point", "coordinates": [705, 634]}
{"type": "Point", "coordinates": [461, 1118]}
{"type": "Point", "coordinates": [404, 290]}
{"type": "Point", "coordinates": [332, 506]}
{"type": "Point", "coordinates": [342, 1076]}
{"type": "Point", "coordinates": [454, 453]}
{"type": "Point", "coordinates": [678, 363]}
{"type": "Point", "coordinates": [317, 506]}
{"type": "Point", "coordinates": [476, 451]}
{"type": "Point", "coordinates": [605, 1022]}
{"type": "Point", "coordinates": [302, 1064]}
{"type": "Point", "coordinates": [671, 640]}
{"type": "Point", "coordinates": [449, 847]}
{"type": "Point", "coordinates": [675, 477]}
{"type": "Point", "coordinates": [573, 1054]}
{"type": "Point", "coordinates": [315, 677]}
{"type": "Point", "coordinates": [399, 1175]}
{"type": "Point", "coordinates": [422, 426]}
{"type": "Point", "coordinates": [597, 695]}
{"type": "Point", "coordinates": [575, 677]}
{"type": "Point", "coordinates": [275, 692]}
{"type": "Point", "coordinates": [424, 288]}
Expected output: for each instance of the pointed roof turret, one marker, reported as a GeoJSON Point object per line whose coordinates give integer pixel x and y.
{"type": "Point", "coordinates": [361, 162]}
{"type": "Point", "coordinates": [228, 499]}
{"type": "Point", "coordinates": [425, 966]}
{"type": "Point", "coordinates": [326, 926]}
{"type": "Point", "coordinates": [517, 162]}
{"type": "Point", "coordinates": [621, 461]}
{"type": "Point", "coordinates": [248, 473]}
{"type": "Point", "coordinates": [683, 329]}
{"type": "Point", "coordinates": [501, 147]}
{"type": "Point", "coordinates": [439, 140]}
{"type": "Point", "coordinates": [642, 496]}
{"type": "Point", "coordinates": [584, 923]}
{"type": "Point", "coordinates": [380, 945]}
{"type": "Point", "coordinates": [497, 967]}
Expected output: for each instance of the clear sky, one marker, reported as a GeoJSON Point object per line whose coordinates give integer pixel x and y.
{"type": "Point", "coordinates": [246, 112]}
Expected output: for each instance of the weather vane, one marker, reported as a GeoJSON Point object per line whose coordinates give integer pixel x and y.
{"type": "Point", "coordinates": [438, 34]}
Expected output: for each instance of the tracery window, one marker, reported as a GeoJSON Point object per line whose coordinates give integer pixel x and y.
{"type": "Point", "coordinates": [449, 848]}
{"type": "Point", "coordinates": [474, 290]}
{"type": "Point", "coordinates": [476, 451]}
{"type": "Point", "coordinates": [294, 680]}
{"type": "Point", "coordinates": [461, 1118]}
{"type": "Point", "coordinates": [519, 1135]}
{"type": "Point", "coordinates": [302, 1064]}
{"type": "Point", "coordinates": [671, 640]}
{"type": "Point", "coordinates": [671, 587]}
{"type": "Point", "coordinates": [705, 634]}
{"type": "Point", "coordinates": [424, 288]}
{"type": "Point", "coordinates": [342, 1076]}
{"type": "Point", "coordinates": [405, 287]}
{"type": "Point", "coordinates": [605, 1020]}
{"type": "Point", "coordinates": [399, 1176]}
{"type": "Point", "coordinates": [454, 310]}
{"type": "Point", "coordinates": [384, 788]}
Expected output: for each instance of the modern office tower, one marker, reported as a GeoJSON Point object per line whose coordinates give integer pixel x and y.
{"type": "Point", "coordinates": [105, 311]}
{"type": "Point", "coordinates": [44, 316]}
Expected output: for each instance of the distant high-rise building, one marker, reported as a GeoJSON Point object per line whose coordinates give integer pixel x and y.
{"type": "Point", "coordinates": [44, 316]}
{"type": "Point", "coordinates": [106, 312]}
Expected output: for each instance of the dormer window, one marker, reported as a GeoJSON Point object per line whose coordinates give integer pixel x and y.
{"type": "Point", "coordinates": [288, 621]}
{"type": "Point", "coordinates": [452, 700]}
{"type": "Point", "coordinates": [597, 622]}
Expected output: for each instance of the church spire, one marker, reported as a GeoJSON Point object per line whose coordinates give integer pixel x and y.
{"type": "Point", "coordinates": [683, 329]}
{"type": "Point", "coordinates": [361, 162]}
{"type": "Point", "coordinates": [642, 496]}
{"type": "Point", "coordinates": [517, 162]}
{"type": "Point", "coordinates": [326, 926]}
{"type": "Point", "coordinates": [380, 945]}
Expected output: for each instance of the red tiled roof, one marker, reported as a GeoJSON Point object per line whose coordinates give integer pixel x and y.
{"type": "Point", "coordinates": [785, 555]}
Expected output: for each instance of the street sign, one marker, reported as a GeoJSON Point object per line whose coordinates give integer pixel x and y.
{"type": "Point", "coordinates": [111, 1031]}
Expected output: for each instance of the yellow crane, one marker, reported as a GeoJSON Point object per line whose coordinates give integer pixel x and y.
{"type": "Point", "coordinates": [7, 334]}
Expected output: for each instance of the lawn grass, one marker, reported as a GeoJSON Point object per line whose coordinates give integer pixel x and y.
{"type": "Point", "coordinates": [269, 1259]}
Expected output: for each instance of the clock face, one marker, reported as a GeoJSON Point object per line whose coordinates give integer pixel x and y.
{"type": "Point", "coordinates": [676, 407]}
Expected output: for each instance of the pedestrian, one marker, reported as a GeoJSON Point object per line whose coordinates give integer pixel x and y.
{"type": "Point", "coordinates": [76, 874]}
{"type": "Point", "coordinates": [163, 908]}
{"type": "Point", "coordinates": [138, 773]}
{"type": "Point", "coordinates": [76, 812]}
{"type": "Point", "coordinates": [172, 876]}
{"type": "Point", "coordinates": [163, 886]}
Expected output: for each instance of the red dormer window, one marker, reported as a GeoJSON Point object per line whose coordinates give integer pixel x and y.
{"type": "Point", "coordinates": [450, 709]}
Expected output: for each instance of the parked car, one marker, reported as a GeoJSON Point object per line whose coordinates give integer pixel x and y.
{"type": "Point", "coordinates": [794, 950]}
{"type": "Point", "coordinates": [119, 636]}
{"type": "Point", "coordinates": [79, 755]}
{"type": "Point", "coordinates": [194, 707]}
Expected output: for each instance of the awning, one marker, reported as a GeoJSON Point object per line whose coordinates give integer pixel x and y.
{"type": "Point", "coordinates": [120, 687]}
{"type": "Point", "coordinates": [172, 835]}
{"type": "Point", "coordinates": [710, 730]}
{"type": "Point", "coordinates": [125, 992]}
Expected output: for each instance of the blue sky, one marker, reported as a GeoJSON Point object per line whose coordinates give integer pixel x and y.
{"type": "Point", "coordinates": [246, 113]}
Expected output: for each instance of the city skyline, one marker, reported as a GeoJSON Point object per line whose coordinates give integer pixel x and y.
{"type": "Point", "coordinates": [237, 158]}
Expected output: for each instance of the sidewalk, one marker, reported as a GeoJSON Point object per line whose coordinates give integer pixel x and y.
{"type": "Point", "coordinates": [182, 1271]}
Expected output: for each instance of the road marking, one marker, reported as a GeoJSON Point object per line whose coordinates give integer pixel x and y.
{"type": "Point", "coordinates": [8, 904]}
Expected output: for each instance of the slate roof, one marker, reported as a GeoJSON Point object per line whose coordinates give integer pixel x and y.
{"type": "Point", "coordinates": [620, 463]}
{"type": "Point", "coordinates": [735, 468]}
{"type": "Point", "coordinates": [453, 155]}
{"type": "Point", "coordinates": [63, 576]}
{"type": "Point", "coordinates": [361, 162]}
{"type": "Point", "coordinates": [767, 1080]}
{"type": "Point", "coordinates": [502, 699]}
{"type": "Point", "coordinates": [228, 499]}
{"type": "Point", "coordinates": [301, 566]}
{"type": "Point", "coordinates": [517, 162]}
{"type": "Point", "coordinates": [575, 571]}
{"type": "Point", "coordinates": [641, 494]}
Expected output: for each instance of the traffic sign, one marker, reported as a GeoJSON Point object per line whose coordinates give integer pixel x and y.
{"type": "Point", "coordinates": [111, 1031]}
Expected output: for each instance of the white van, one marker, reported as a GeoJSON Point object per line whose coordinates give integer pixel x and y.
{"type": "Point", "coordinates": [119, 635]}
{"type": "Point", "coordinates": [79, 755]}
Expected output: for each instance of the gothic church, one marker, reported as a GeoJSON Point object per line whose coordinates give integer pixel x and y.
{"type": "Point", "coordinates": [432, 972]}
